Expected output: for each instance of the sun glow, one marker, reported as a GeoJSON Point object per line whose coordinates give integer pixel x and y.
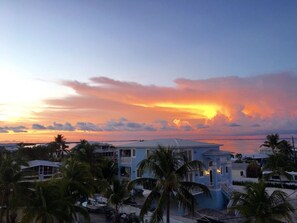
{"type": "Point", "coordinates": [197, 110]}
{"type": "Point", "coordinates": [21, 98]}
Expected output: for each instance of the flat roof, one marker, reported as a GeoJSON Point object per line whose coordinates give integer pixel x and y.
{"type": "Point", "coordinates": [216, 153]}
{"type": "Point", "coordinates": [33, 163]}
{"type": "Point", "coordinates": [170, 142]}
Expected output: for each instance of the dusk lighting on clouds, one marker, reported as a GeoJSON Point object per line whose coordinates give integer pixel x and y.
{"type": "Point", "coordinates": [105, 70]}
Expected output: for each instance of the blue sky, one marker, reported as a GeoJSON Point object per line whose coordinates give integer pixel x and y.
{"type": "Point", "coordinates": [148, 41]}
{"type": "Point", "coordinates": [95, 67]}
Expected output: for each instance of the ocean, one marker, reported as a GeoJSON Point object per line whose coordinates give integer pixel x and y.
{"type": "Point", "coordinates": [244, 146]}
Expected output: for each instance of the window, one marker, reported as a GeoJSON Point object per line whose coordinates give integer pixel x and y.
{"type": "Point", "coordinates": [210, 163]}
{"type": "Point", "coordinates": [227, 169]}
{"type": "Point", "coordinates": [133, 152]}
{"type": "Point", "coordinates": [275, 178]}
{"type": "Point", "coordinates": [138, 173]}
{"type": "Point", "coordinates": [241, 173]}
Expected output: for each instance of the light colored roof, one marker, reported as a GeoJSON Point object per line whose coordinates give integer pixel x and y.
{"type": "Point", "coordinates": [256, 155]}
{"type": "Point", "coordinates": [239, 166]}
{"type": "Point", "coordinates": [34, 163]}
{"type": "Point", "coordinates": [171, 142]}
{"type": "Point", "coordinates": [216, 153]}
{"type": "Point", "coordinates": [291, 173]}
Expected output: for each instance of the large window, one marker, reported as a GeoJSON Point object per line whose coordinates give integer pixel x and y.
{"type": "Point", "coordinates": [126, 153]}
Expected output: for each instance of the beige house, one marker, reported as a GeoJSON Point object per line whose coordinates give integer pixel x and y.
{"type": "Point", "coordinates": [239, 171]}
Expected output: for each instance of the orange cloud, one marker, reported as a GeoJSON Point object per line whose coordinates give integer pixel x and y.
{"type": "Point", "coordinates": [216, 106]}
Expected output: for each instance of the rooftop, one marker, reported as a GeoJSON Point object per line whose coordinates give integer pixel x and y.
{"type": "Point", "coordinates": [170, 142]}
{"type": "Point", "coordinates": [34, 163]}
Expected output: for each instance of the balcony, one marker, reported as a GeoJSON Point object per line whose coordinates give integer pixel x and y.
{"type": "Point", "coordinates": [126, 160]}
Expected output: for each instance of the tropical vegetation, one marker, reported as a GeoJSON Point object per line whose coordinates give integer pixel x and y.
{"type": "Point", "coordinates": [282, 160]}
{"type": "Point", "coordinates": [54, 200]}
{"type": "Point", "coordinates": [258, 206]}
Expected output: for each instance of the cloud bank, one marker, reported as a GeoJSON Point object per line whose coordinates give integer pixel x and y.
{"type": "Point", "coordinates": [232, 105]}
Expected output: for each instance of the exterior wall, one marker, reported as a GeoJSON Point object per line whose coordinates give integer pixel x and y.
{"type": "Point", "coordinates": [221, 172]}
{"type": "Point", "coordinates": [216, 201]}
{"type": "Point", "coordinates": [131, 161]}
{"type": "Point", "coordinates": [238, 174]}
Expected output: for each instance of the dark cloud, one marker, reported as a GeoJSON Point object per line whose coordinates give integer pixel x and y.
{"type": "Point", "coordinates": [3, 130]}
{"type": "Point", "coordinates": [38, 127]}
{"type": "Point", "coordinates": [63, 127]}
{"type": "Point", "coordinates": [233, 125]}
{"type": "Point", "coordinates": [202, 126]}
{"type": "Point", "coordinates": [165, 125]}
{"type": "Point", "coordinates": [87, 126]}
{"type": "Point", "coordinates": [16, 129]}
{"type": "Point", "coordinates": [255, 125]}
{"type": "Point", "coordinates": [186, 128]}
{"type": "Point", "coordinates": [125, 125]}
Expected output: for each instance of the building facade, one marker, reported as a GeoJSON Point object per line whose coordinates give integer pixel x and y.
{"type": "Point", "coordinates": [217, 173]}
{"type": "Point", "coordinates": [40, 170]}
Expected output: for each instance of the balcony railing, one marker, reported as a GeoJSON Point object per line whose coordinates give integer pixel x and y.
{"type": "Point", "coordinates": [126, 160]}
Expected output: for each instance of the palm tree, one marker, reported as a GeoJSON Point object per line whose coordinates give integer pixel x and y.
{"type": "Point", "coordinates": [256, 205]}
{"type": "Point", "coordinates": [60, 140]}
{"type": "Point", "coordinates": [278, 165]}
{"type": "Point", "coordinates": [108, 169]}
{"type": "Point", "coordinates": [85, 152]}
{"type": "Point", "coordinates": [116, 193]}
{"type": "Point", "coordinates": [55, 200]}
{"type": "Point", "coordinates": [48, 202]}
{"type": "Point", "coordinates": [10, 188]}
{"type": "Point", "coordinates": [286, 149]}
{"type": "Point", "coordinates": [272, 141]}
{"type": "Point", "coordinates": [77, 179]}
{"type": "Point", "coordinates": [169, 170]}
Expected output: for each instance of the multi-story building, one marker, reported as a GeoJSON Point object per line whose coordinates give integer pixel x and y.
{"type": "Point", "coordinates": [217, 174]}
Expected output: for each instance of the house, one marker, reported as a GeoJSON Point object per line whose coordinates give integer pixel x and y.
{"type": "Point", "coordinates": [217, 175]}
{"type": "Point", "coordinates": [290, 177]}
{"type": "Point", "coordinates": [239, 171]}
{"type": "Point", "coordinates": [40, 170]}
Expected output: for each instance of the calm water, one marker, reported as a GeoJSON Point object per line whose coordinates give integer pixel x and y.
{"type": "Point", "coordinates": [239, 145]}
{"type": "Point", "coordinates": [245, 146]}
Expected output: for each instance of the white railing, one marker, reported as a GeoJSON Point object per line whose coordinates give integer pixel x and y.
{"type": "Point", "coordinates": [126, 160]}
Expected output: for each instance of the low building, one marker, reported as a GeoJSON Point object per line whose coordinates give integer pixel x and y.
{"type": "Point", "coordinates": [239, 171]}
{"type": "Point", "coordinates": [217, 175]}
{"type": "Point", "coordinates": [40, 170]}
{"type": "Point", "coordinates": [290, 177]}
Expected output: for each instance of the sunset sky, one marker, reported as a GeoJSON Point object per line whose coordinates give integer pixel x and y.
{"type": "Point", "coordinates": [114, 70]}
